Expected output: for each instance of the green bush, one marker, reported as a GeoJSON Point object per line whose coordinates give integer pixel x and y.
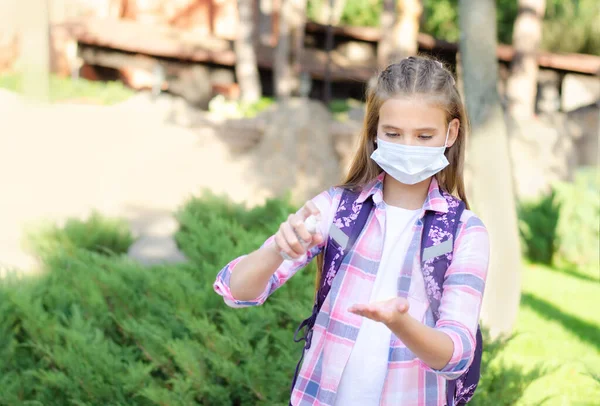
{"type": "Point", "coordinates": [538, 221]}
{"type": "Point", "coordinates": [97, 233]}
{"type": "Point", "coordinates": [564, 222]}
{"type": "Point", "coordinates": [501, 384]}
{"type": "Point", "coordinates": [579, 221]}
{"type": "Point", "coordinates": [99, 329]}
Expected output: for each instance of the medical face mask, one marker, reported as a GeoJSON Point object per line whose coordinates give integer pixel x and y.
{"type": "Point", "coordinates": [410, 164]}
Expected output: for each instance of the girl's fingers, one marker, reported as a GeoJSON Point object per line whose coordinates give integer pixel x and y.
{"type": "Point", "coordinates": [284, 246]}
{"type": "Point", "coordinates": [371, 311]}
{"type": "Point", "coordinates": [316, 240]}
{"type": "Point", "coordinates": [360, 309]}
{"type": "Point", "coordinates": [311, 209]}
{"type": "Point", "coordinates": [297, 224]}
{"type": "Point", "coordinates": [292, 239]}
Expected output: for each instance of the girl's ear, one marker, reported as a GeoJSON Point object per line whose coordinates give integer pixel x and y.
{"type": "Point", "coordinates": [453, 135]}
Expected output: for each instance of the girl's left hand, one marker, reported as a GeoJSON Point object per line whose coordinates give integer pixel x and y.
{"type": "Point", "coordinates": [387, 312]}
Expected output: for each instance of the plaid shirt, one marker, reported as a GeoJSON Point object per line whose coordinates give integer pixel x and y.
{"type": "Point", "coordinates": [408, 381]}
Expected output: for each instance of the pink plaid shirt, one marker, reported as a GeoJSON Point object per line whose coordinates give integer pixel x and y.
{"type": "Point", "coordinates": [409, 381]}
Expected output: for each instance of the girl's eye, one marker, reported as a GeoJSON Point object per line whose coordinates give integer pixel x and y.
{"type": "Point", "coordinates": [425, 136]}
{"type": "Point", "coordinates": [391, 135]}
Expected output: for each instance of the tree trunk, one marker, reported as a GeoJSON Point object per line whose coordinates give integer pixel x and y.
{"type": "Point", "coordinates": [521, 89]}
{"type": "Point", "coordinates": [298, 23]}
{"type": "Point", "coordinates": [400, 30]}
{"type": "Point", "coordinates": [282, 67]}
{"type": "Point", "coordinates": [246, 67]}
{"type": "Point", "coordinates": [406, 29]}
{"type": "Point", "coordinates": [491, 184]}
{"type": "Point", "coordinates": [265, 22]}
{"type": "Point", "coordinates": [386, 42]}
{"type": "Point", "coordinates": [35, 48]}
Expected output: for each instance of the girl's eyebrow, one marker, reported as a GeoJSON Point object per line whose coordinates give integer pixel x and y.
{"type": "Point", "coordinates": [423, 129]}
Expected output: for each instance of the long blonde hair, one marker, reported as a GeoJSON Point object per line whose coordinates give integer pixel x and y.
{"type": "Point", "coordinates": [413, 76]}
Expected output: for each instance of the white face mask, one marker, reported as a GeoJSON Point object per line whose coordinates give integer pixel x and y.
{"type": "Point", "coordinates": [410, 164]}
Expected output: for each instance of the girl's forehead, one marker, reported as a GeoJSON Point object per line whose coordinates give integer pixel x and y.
{"type": "Point", "coordinates": [411, 113]}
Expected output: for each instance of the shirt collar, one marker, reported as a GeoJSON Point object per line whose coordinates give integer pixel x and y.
{"type": "Point", "coordinates": [435, 200]}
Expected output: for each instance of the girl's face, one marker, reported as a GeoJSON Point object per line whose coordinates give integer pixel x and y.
{"type": "Point", "coordinates": [415, 122]}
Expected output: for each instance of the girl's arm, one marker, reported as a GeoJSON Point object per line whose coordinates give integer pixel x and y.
{"type": "Point", "coordinates": [250, 279]}
{"type": "Point", "coordinates": [433, 347]}
{"type": "Point", "coordinates": [449, 347]}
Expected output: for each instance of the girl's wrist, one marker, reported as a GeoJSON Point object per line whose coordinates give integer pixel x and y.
{"type": "Point", "coordinates": [273, 253]}
{"type": "Point", "coordinates": [398, 321]}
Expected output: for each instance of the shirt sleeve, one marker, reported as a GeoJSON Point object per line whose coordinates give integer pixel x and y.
{"type": "Point", "coordinates": [462, 295]}
{"type": "Point", "coordinates": [326, 203]}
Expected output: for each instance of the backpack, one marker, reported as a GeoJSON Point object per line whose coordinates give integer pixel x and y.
{"type": "Point", "coordinates": [436, 255]}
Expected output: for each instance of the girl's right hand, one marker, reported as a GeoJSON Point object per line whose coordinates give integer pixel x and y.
{"type": "Point", "coordinates": [287, 238]}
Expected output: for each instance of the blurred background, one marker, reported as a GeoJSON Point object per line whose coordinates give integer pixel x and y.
{"type": "Point", "coordinates": [146, 143]}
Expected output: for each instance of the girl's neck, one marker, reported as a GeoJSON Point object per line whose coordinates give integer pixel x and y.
{"type": "Point", "coordinates": [410, 197]}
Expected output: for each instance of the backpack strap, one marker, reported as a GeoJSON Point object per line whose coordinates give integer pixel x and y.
{"type": "Point", "coordinates": [349, 221]}
{"type": "Point", "coordinates": [440, 231]}
{"type": "Point", "coordinates": [437, 248]}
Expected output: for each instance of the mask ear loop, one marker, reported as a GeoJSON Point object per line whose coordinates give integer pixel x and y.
{"type": "Point", "coordinates": [447, 134]}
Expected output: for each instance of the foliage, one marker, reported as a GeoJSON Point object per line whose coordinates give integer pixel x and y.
{"type": "Point", "coordinates": [341, 109]}
{"type": "Point", "coordinates": [98, 329]}
{"type": "Point", "coordinates": [361, 13]}
{"type": "Point", "coordinates": [501, 384]}
{"type": "Point", "coordinates": [538, 221]}
{"type": "Point", "coordinates": [238, 109]}
{"type": "Point", "coordinates": [568, 26]}
{"type": "Point", "coordinates": [579, 20]}
{"type": "Point", "coordinates": [102, 329]}
{"type": "Point", "coordinates": [564, 222]}
{"type": "Point", "coordinates": [97, 234]}
{"type": "Point", "coordinates": [339, 105]}
{"type": "Point", "coordinates": [65, 89]}
{"type": "Point", "coordinates": [578, 225]}
{"type": "Point", "coordinates": [440, 19]}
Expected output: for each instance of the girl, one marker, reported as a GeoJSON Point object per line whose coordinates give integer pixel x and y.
{"type": "Point", "coordinates": [375, 341]}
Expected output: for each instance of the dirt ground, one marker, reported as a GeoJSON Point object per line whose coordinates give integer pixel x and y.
{"type": "Point", "coordinates": [130, 160]}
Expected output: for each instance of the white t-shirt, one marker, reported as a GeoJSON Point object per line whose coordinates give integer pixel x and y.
{"type": "Point", "coordinates": [364, 375]}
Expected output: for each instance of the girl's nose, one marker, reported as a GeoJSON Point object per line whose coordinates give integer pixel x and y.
{"type": "Point", "coordinates": [409, 141]}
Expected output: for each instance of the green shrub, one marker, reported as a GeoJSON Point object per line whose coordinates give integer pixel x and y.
{"type": "Point", "coordinates": [579, 222]}
{"type": "Point", "coordinates": [97, 329]}
{"type": "Point", "coordinates": [501, 384]}
{"type": "Point", "coordinates": [96, 233]}
{"type": "Point", "coordinates": [538, 223]}
{"type": "Point", "coordinates": [565, 222]}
